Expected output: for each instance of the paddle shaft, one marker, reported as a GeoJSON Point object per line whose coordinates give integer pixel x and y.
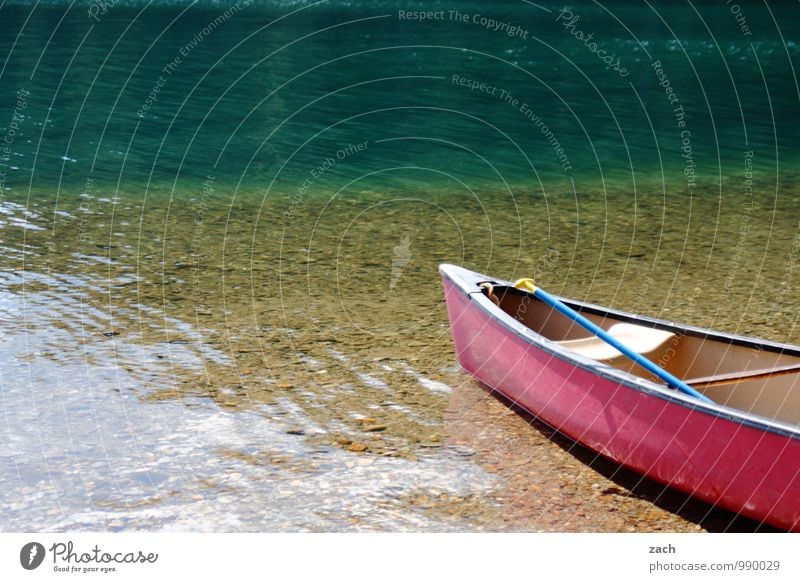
{"type": "Point", "coordinates": [545, 297]}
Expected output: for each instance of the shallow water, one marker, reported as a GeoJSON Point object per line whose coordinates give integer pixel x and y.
{"type": "Point", "coordinates": [300, 380]}
{"type": "Point", "coordinates": [222, 315]}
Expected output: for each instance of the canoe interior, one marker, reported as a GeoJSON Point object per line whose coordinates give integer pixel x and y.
{"type": "Point", "coordinates": [750, 377]}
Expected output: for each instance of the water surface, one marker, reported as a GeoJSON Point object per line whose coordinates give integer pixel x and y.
{"type": "Point", "coordinates": [219, 235]}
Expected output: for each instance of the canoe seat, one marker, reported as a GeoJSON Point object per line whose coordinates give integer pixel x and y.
{"type": "Point", "coordinates": [642, 340]}
{"type": "Point", "coordinates": [719, 379]}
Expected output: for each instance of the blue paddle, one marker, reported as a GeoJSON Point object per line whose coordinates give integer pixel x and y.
{"type": "Point", "coordinates": [545, 297]}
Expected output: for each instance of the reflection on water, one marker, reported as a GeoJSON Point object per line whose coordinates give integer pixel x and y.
{"type": "Point", "coordinates": [157, 371]}
{"type": "Point", "coordinates": [188, 465]}
{"type": "Point", "coordinates": [148, 385]}
{"type": "Point", "coordinates": [222, 311]}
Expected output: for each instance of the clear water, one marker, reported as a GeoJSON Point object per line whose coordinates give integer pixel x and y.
{"type": "Point", "coordinates": [219, 232]}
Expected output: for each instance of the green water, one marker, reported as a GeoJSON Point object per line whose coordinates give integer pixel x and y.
{"type": "Point", "coordinates": [220, 232]}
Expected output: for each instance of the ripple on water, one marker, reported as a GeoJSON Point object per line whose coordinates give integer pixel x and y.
{"type": "Point", "coordinates": [146, 387]}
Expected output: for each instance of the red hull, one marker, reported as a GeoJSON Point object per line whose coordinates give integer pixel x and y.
{"type": "Point", "coordinates": [730, 462]}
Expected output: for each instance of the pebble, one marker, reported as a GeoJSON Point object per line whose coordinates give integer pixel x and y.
{"type": "Point", "coordinates": [357, 448]}
{"type": "Point", "coordinates": [375, 428]}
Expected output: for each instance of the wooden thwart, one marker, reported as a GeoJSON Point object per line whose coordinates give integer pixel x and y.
{"type": "Point", "coordinates": [718, 379]}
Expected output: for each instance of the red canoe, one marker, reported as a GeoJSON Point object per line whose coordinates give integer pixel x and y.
{"type": "Point", "coordinates": [741, 451]}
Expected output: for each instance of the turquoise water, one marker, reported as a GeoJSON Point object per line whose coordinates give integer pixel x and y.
{"type": "Point", "coordinates": [221, 225]}
{"type": "Point", "coordinates": [262, 97]}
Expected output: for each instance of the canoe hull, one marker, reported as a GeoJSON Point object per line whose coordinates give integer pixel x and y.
{"type": "Point", "coordinates": [725, 461]}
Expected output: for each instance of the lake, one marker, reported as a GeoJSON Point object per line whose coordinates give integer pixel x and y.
{"type": "Point", "coordinates": [220, 226]}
